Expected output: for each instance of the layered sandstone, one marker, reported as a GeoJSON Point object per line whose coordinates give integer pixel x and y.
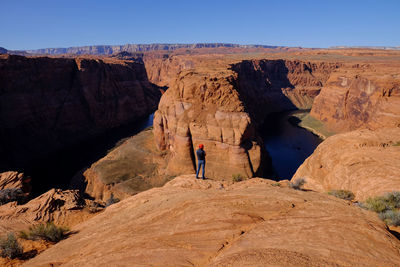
{"type": "Point", "coordinates": [360, 96]}
{"type": "Point", "coordinates": [51, 103]}
{"type": "Point", "coordinates": [162, 68]}
{"type": "Point", "coordinates": [205, 223]}
{"type": "Point", "coordinates": [61, 207]}
{"type": "Point", "coordinates": [365, 162]}
{"type": "Point", "coordinates": [221, 106]}
{"type": "Point", "coordinates": [11, 179]}
{"type": "Point", "coordinates": [204, 107]}
{"type": "Point", "coordinates": [268, 86]}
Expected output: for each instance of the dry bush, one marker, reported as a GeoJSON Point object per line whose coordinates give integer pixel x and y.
{"type": "Point", "coordinates": [10, 247]}
{"type": "Point", "coordinates": [46, 231]}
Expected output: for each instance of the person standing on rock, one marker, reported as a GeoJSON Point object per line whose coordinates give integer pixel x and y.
{"type": "Point", "coordinates": [201, 160]}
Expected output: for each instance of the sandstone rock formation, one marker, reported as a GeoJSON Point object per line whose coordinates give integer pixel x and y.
{"type": "Point", "coordinates": [363, 161]}
{"type": "Point", "coordinates": [360, 96]}
{"type": "Point", "coordinates": [268, 86]}
{"type": "Point", "coordinates": [204, 107]}
{"type": "Point", "coordinates": [163, 68]}
{"type": "Point", "coordinates": [50, 103]}
{"type": "Point", "coordinates": [132, 167]}
{"type": "Point", "coordinates": [11, 179]}
{"type": "Point", "coordinates": [251, 223]}
{"type": "Point", "coordinates": [222, 107]}
{"type": "Point", "coordinates": [55, 205]}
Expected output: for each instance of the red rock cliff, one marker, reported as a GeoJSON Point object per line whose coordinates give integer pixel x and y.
{"type": "Point", "coordinates": [277, 85]}
{"type": "Point", "coordinates": [48, 103]}
{"type": "Point", "coordinates": [204, 107]}
{"type": "Point", "coordinates": [360, 96]}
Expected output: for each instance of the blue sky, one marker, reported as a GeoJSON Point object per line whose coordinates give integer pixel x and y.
{"type": "Point", "coordinates": [32, 24]}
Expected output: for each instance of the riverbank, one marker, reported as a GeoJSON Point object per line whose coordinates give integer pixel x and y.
{"type": "Point", "coordinates": [313, 125]}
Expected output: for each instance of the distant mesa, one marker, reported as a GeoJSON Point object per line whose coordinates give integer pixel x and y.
{"type": "Point", "coordinates": [3, 50]}
{"type": "Point", "coordinates": [366, 47]}
{"type": "Point", "coordinates": [112, 49]}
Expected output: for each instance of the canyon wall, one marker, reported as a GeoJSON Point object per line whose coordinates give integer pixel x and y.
{"type": "Point", "coordinates": [50, 103]}
{"type": "Point", "coordinates": [163, 68]}
{"type": "Point", "coordinates": [362, 102]}
{"type": "Point", "coordinates": [360, 96]}
{"type": "Point", "coordinates": [268, 86]}
{"type": "Point", "coordinates": [221, 107]}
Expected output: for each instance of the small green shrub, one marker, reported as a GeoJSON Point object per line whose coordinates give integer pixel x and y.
{"type": "Point", "coordinates": [237, 178]}
{"type": "Point", "coordinates": [343, 194]}
{"type": "Point", "coordinates": [390, 217]}
{"type": "Point", "coordinates": [297, 184]}
{"type": "Point", "coordinates": [46, 231]}
{"type": "Point", "coordinates": [390, 201]}
{"type": "Point", "coordinates": [276, 184]}
{"type": "Point", "coordinates": [396, 144]}
{"type": "Point", "coordinates": [10, 247]}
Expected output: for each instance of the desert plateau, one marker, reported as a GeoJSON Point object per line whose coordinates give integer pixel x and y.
{"type": "Point", "coordinates": [101, 146]}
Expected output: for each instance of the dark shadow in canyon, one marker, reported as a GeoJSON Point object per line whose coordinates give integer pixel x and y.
{"type": "Point", "coordinates": [260, 84]}
{"type": "Point", "coordinates": [57, 168]}
{"type": "Point", "coordinates": [287, 143]}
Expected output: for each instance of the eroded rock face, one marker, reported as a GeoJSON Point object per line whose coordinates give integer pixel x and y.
{"type": "Point", "coordinates": [162, 68]}
{"type": "Point", "coordinates": [55, 205]}
{"type": "Point", "coordinates": [277, 85]}
{"type": "Point", "coordinates": [11, 179]}
{"type": "Point", "coordinates": [363, 161]}
{"type": "Point", "coordinates": [360, 96]}
{"type": "Point", "coordinates": [50, 103]}
{"type": "Point", "coordinates": [204, 107]}
{"type": "Point", "coordinates": [221, 108]}
{"type": "Point", "coordinates": [201, 223]}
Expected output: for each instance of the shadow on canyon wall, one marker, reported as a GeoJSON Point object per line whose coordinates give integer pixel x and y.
{"type": "Point", "coordinates": [58, 112]}
{"type": "Point", "coordinates": [260, 85]}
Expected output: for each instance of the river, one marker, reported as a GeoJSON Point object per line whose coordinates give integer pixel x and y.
{"type": "Point", "coordinates": [287, 144]}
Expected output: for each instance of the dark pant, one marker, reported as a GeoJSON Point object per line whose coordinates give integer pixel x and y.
{"type": "Point", "coordinates": [200, 163]}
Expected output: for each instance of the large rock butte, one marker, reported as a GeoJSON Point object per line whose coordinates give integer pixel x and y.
{"type": "Point", "coordinates": [222, 107]}
{"type": "Point", "coordinates": [251, 223]}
